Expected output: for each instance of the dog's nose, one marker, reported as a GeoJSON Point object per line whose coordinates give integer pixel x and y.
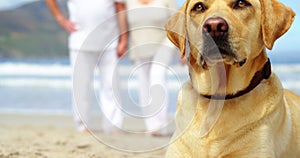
{"type": "Point", "coordinates": [216, 27]}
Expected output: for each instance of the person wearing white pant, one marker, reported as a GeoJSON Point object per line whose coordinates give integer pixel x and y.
{"type": "Point", "coordinates": [83, 88]}
{"type": "Point", "coordinates": [97, 35]}
{"type": "Point", "coordinates": [154, 97]}
{"type": "Point", "coordinates": [152, 53]}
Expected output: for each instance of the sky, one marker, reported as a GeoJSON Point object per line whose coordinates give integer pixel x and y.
{"type": "Point", "coordinates": [290, 42]}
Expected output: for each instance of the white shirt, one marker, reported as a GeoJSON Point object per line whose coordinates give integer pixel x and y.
{"type": "Point", "coordinates": [146, 26]}
{"type": "Point", "coordinates": [96, 24]}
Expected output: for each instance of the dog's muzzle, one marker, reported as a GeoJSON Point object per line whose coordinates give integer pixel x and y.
{"type": "Point", "coordinates": [216, 47]}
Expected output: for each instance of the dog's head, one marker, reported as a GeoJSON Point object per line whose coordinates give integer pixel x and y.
{"type": "Point", "coordinates": [229, 31]}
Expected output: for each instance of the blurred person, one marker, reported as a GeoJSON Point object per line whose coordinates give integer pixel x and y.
{"type": "Point", "coordinates": [92, 25]}
{"type": "Point", "coordinates": [151, 52]}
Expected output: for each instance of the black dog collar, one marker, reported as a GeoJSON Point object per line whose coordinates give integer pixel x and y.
{"type": "Point", "coordinates": [260, 75]}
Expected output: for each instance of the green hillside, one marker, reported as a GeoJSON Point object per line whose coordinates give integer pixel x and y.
{"type": "Point", "coordinates": [31, 32]}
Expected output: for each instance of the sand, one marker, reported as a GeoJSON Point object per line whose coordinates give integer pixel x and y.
{"type": "Point", "coordinates": [53, 136]}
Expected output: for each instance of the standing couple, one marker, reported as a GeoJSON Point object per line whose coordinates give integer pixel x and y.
{"type": "Point", "coordinates": [98, 36]}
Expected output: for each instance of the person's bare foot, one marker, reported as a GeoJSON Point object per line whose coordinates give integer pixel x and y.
{"type": "Point", "coordinates": [84, 131]}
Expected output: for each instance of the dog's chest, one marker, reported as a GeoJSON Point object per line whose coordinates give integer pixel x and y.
{"type": "Point", "coordinates": [213, 146]}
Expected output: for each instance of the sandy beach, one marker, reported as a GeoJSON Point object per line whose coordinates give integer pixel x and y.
{"type": "Point", "coordinates": [53, 136]}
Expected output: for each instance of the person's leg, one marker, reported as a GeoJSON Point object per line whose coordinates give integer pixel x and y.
{"type": "Point", "coordinates": [83, 64]}
{"type": "Point", "coordinates": [142, 68]}
{"type": "Point", "coordinates": [109, 94]}
{"type": "Point", "coordinates": [159, 90]}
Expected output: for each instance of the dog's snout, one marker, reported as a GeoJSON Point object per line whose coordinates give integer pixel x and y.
{"type": "Point", "coordinates": [216, 27]}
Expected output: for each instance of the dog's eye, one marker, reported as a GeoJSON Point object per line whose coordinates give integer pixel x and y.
{"type": "Point", "coordinates": [240, 4]}
{"type": "Point", "coordinates": [199, 7]}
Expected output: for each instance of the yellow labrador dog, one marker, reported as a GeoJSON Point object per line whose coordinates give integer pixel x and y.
{"type": "Point", "coordinates": [233, 105]}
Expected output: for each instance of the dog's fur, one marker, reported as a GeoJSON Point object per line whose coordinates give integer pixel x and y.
{"type": "Point", "coordinates": [264, 122]}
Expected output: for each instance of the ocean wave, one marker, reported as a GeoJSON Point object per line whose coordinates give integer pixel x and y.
{"type": "Point", "coordinates": [24, 69]}
{"type": "Point", "coordinates": [64, 69]}
{"type": "Point", "coordinates": [67, 84]}
{"type": "Point", "coordinates": [58, 75]}
{"type": "Point", "coordinates": [39, 111]}
{"type": "Point", "coordinates": [286, 68]}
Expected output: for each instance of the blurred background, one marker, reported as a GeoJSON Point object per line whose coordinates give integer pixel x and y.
{"type": "Point", "coordinates": [34, 64]}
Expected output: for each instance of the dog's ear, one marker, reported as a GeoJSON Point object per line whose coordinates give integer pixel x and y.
{"type": "Point", "coordinates": [276, 19]}
{"type": "Point", "coordinates": [176, 29]}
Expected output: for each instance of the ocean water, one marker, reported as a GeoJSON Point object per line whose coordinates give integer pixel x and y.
{"type": "Point", "coordinates": [44, 86]}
